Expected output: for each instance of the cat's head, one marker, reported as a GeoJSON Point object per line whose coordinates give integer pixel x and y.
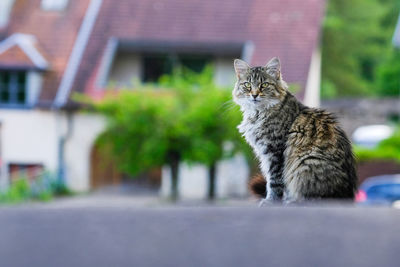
{"type": "Point", "coordinates": [258, 87]}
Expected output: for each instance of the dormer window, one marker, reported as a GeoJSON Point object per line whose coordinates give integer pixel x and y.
{"type": "Point", "coordinates": [21, 69]}
{"type": "Point", "coordinates": [54, 5]}
{"type": "Point", "coordinates": [13, 88]}
{"type": "Point", "coordinates": [126, 62]}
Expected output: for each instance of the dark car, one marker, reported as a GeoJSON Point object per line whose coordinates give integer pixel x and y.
{"type": "Point", "coordinates": [383, 189]}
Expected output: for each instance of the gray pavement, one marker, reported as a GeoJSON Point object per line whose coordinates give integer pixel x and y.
{"type": "Point", "coordinates": [124, 234]}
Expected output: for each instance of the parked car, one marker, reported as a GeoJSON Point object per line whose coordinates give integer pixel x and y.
{"type": "Point", "coordinates": [382, 189]}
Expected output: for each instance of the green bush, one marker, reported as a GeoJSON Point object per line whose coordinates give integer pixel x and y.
{"type": "Point", "coordinates": [17, 192]}
{"type": "Point", "coordinates": [43, 188]}
{"type": "Point", "coordinates": [388, 149]}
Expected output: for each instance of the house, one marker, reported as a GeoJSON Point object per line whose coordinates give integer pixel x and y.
{"type": "Point", "coordinates": [50, 49]}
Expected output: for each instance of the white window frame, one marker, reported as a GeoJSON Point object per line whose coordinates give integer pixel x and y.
{"type": "Point", "coordinates": [54, 5]}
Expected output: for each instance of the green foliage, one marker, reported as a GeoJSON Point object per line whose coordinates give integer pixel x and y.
{"type": "Point", "coordinates": [43, 188]}
{"type": "Point", "coordinates": [141, 127]}
{"type": "Point", "coordinates": [328, 90]}
{"type": "Point", "coordinates": [357, 36]}
{"type": "Point", "coordinates": [17, 192]}
{"type": "Point", "coordinates": [388, 75]}
{"type": "Point", "coordinates": [185, 115]}
{"type": "Point", "coordinates": [388, 149]}
{"type": "Point", "coordinates": [209, 117]}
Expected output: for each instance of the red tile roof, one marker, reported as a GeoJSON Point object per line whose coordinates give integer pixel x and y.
{"type": "Point", "coordinates": [22, 51]}
{"type": "Point", "coordinates": [285, 28]}
{"type": "Point", "coordinates": [55, 32]}
{"type": "Point", "coordinates": [15, 57]}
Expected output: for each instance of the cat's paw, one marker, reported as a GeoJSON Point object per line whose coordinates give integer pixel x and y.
{"type": "Point", "coordinates": [265, 202]}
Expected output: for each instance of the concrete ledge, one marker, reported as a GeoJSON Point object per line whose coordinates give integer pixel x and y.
{"type": "Point", "coordinates": [333, 235]}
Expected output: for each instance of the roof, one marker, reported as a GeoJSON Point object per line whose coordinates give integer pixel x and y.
{"type": "Point", "coordinates": [396, 36]}
{"type": "Point", "coordinates": [21, 51]}
{"type": "Point", "coordinates": [288, 29]}
{"type": "Point", "coordinates": [73, 42]}
{"type": "Point", "coordinates": [51, 33]}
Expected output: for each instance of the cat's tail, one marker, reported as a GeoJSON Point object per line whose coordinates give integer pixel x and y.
{"type": "Point", "coordinates": [258, 186]}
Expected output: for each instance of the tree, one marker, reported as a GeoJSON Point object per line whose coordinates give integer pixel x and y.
{"type": "Point", "coordinates": [388, 75]}
{"type": "Point", "coordinates": [356, 38]}
{"type": "Point", "coordinates": [144, 130]}
{"type": "Point", "coordinates": [186, 120]}
{"type": "Point", "coordinates": [211, 118]}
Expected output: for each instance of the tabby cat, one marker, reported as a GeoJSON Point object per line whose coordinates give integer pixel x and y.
{"type": "Point", "coordinates": [303, 153]}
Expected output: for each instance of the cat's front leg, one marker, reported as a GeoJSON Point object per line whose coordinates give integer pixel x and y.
{"type": "Point", "coordinates": [275, 189]}
{"type": "Point", "coordinates": [274, 196]}
{"type": "Point", "coordinates": [265, 202]}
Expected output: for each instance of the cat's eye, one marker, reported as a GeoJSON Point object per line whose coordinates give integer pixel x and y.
{"type": "Point", "coordinates": [264, 85]}
{"type": "Point", "coordinates": [247, 85]}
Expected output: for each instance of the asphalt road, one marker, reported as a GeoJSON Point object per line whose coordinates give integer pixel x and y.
{"type": "Point", "coordinates": [203, 236]}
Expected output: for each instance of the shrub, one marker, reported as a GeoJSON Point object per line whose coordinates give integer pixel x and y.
{"type": "Point", "coordinates": [387, 149]}
{"type": "Point", "coordinates": [43, 188]}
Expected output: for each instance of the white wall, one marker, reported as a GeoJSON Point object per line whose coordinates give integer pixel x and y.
{"type": "Point", "coordinates": [32, 137]}
{"type": "Point", "coordinates": [312, 93]}
{"type": "Point", "coordinates": [192, 183]}
{"type": "Point", "coordinates": [224, 72]}
{"type": "Point", "coordinates": [34, 85]}
{"type": "Point", "coordinates": [28, 137]}
{"type": "Point", "coordinates": [86, 128]}
{"type": "Point", "coordinates": [231, 180]}
{"type": "Point", "coordinates": [126, 69]}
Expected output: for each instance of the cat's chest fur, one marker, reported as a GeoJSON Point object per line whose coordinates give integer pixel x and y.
{"type": "Point", "coordinates": [263, 131]}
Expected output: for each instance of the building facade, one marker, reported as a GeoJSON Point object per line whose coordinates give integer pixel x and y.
{"type": "Point", "coordinates": [51, 49]}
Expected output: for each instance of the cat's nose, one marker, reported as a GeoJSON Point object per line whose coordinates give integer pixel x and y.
{"type": "Point", "coordinates": [254, 96]}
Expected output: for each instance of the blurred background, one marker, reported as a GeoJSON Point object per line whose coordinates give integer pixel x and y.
{"type": "Point", "coordinates": [131, 99]}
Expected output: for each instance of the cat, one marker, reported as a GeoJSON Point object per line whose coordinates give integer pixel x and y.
{"type": "Point", "coordinates": [303, 153]}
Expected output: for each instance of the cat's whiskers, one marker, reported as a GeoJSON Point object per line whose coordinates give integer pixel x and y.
{"type": "Point", "coordinates": [227, 106]}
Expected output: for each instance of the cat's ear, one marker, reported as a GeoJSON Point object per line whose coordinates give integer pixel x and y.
{"type": "Point", "coordinates": [274, 68]}
{"type": "Point", "coordinates": [241, 68]}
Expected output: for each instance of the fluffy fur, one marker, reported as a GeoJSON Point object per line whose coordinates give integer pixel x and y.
{"type": "Point", "coordinates": [303, 152]}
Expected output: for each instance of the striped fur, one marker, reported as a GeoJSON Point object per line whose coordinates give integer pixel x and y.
{"type": "Point", "coordinates": [303, 152]}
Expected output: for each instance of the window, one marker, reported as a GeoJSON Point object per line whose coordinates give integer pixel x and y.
{"type": "Point", "coordinates": [154, 66]}
{"type": "Point", "coordinates": [29, 171]}
{"type": "Point", "coordinates": [54, 5]}
{"type": "Point", "coordinates": [390, 191]}
{"type": "Point", "coordinates": [13, 88]}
